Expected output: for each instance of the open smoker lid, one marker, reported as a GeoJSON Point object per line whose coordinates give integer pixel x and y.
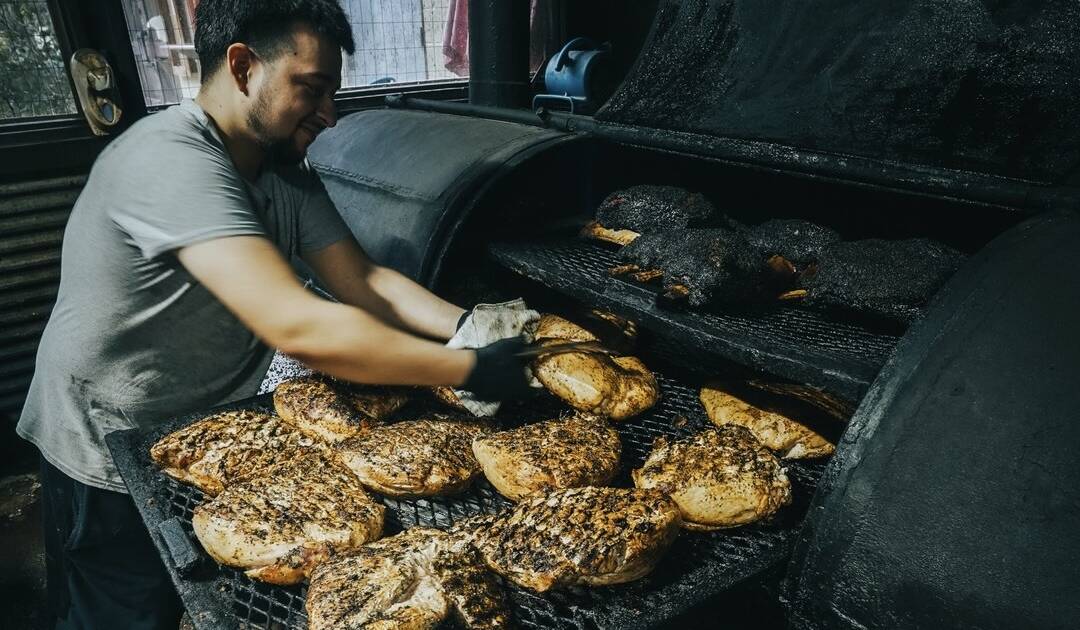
{"type": "Point", "coordinates": [989, 87]}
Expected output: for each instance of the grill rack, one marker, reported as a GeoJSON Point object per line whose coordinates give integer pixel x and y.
{"type": "Point", "coordinates": [697, 567]}
{"type": "Point", "coordinates": [789, 341]}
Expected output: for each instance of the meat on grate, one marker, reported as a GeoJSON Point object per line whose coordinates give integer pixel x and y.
{"type": "Point", "coordinates": [886, 279]}
{"type": "Point", "coordinates": [626, 214]}
{"type": "Point", "coordinates": [416, 457]}
{"type": "Point", "coordinates": [279, 525]}
{"type": "Point", "coordinates": [579, 450]}
{"type": "Point", "coordinates": [591, 535]}
{"type": "Point", "coordinates": [704, 265]}
{"type": "Point", "coordinates": [799, 243]}
{"type": "Point", "coordinates": [778, 431]}
{"type": "Point", "coordinates": [720, 477]}
{"type": "Point", "coordinates": [411, 580]}
{"type": "Point", "coordinates": [333, 411]}
{"type": "Point", "coordinates": [226, 447]}
{"type": "Point", "coordinates": [616, 387]}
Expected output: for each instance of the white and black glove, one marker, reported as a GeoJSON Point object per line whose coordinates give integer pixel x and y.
{"type": "Point", "coordinates": [482, 326]}
{"type": "Point", "coordinates": [499, 374]}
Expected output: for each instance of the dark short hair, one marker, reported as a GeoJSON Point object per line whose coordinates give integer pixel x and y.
{"type": "Point", "coordinates": [265, 25]}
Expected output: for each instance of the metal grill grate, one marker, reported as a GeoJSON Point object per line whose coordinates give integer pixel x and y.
{"type": "Point", "coordinates": [789, 341]}
{"type": "Point", "coordinates": [697, 567]}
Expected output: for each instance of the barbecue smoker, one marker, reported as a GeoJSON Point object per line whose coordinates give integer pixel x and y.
{"type": "Point", "coordinates": [952, 500]}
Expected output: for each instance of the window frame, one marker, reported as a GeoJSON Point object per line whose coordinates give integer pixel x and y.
{"type": "Point", "coordinates": [32, 145]}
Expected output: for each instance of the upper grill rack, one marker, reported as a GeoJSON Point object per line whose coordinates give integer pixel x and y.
{"type": "Point", "coordinates": [697, 567]}
{"type": "Point", "coordinates": [792, 342]}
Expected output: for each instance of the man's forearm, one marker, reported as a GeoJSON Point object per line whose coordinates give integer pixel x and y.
{"type": "Point", "coordinates": [403, 303]}
{"type": "Point", "coordinates": [348, 343]}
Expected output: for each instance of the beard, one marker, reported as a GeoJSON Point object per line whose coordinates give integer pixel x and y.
{"type": "Point", "coordinates": [280, 151]}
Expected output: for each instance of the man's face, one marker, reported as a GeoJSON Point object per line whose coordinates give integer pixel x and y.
{"type": "Point", "coordinates": [292, 101]}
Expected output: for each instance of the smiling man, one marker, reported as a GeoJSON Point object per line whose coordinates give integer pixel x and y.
{"type": "Point", "coordinates": [176, 286]}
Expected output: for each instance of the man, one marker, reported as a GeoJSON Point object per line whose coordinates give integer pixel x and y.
{"type": "Point", "coordinates": [175, 285]}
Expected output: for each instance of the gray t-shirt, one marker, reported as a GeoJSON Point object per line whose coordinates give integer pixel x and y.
{"type": "Point", "coordinates": [134, 338]}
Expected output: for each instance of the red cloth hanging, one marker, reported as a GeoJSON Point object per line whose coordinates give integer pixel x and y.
{"type": "Point", "coordinates": [456, 36]}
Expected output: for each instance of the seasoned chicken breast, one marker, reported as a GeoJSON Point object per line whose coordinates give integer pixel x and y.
{"type": "Point", "coordinates": [614, 387]}
{"type": "Point", "coordinates": [333, 412]}
{"type": "Point", "coordinates": [720, 477]}
{"type": "Point", "coordinates": [580, 450]}
{"type": "Point", "coordinates": [781, 433]}
{"type": "Point", "coordinates": [411, 580]}
{"type": "Point", "coordinates": [592, 536]}
{"type": "Point", "coordinates": [416, 457]}
{"type": "Point", "coordinates": [225, 447]}
{"type": "Point", "coordinates": [280, 524]}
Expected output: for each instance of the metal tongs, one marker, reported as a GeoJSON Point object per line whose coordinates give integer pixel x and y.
{"type": "Point", "coordinates": [588, 347]}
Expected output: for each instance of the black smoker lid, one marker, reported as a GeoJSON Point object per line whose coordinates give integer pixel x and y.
{"type": "Point", "coordinates": [988, 87]}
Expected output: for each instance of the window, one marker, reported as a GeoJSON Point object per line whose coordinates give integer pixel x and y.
{"type": "Point", "coordinates": [397, 41]}
{"type": "Point", "coordinates": [33, 74]}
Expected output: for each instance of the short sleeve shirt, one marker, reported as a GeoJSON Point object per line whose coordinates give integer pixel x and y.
{"type": "Point", "coordinates": [134, 339]}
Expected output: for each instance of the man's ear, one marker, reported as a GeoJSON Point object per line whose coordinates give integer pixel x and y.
{"type": "Point", "coordinates": [240, 59]}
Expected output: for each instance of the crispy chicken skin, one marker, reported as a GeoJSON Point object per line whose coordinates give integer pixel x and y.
{"type": "Point", "coordinates": [579, 450]}
{"type": "Point", "coordinates": [593, 536]}
{"type": "Point", "coordinates": [411, 580]}
{"type": "Point", "coordinates": [616, 387]}
{"type": "Point", "coordinates": [330, 411]}
{"type": "Point", "coordinates": [280, 524]}
{"type": "Point", "coordinates": [416, 457]}
{"type": "Point", "coordinates": [784, 435]}
{"type": "Point", "coordinates": [719, 478]}
{"type": "Point", "coordinates": [223, 448]}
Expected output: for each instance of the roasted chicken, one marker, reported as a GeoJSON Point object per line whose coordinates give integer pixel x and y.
{"type": "Point", "coordinates": [590, 535]}
{"type": "Point", "coordinates": [278, 525]}
{"type": "Point", "coordinates": [719, 478]}
{"type": "Point", "coordinates": [616, 387]}
{"type": "Point", "coordinates": [333, 411]}
{"type": "Point", "coordinates": [412, 580]}
{"type": "Point", "coordinates": [580, 450]}
{"type": "Point", "coordinates": [226, 447]}
{"type": "Point", "coordinates": [778, 431]}
{"type": "Point", "coordinates": [416, 457]}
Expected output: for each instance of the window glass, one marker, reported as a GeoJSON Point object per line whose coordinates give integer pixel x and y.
{"type": "Point", "coordinates": [397, 41]}
{"type": "Point", "coordinates": [33, 75]}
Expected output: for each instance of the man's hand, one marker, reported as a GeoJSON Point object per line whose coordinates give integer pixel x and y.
{"type": "Point", "coordinates": [499, 373]}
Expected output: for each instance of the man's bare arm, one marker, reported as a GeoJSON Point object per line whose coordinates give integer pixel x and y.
{"type": "Point", "coordinates": [254, 281]}
{"type": "Point", "coordinates": [354, 279]}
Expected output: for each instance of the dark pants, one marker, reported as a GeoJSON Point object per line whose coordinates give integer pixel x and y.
{"type": "Point", "coordinates": [103, 570]}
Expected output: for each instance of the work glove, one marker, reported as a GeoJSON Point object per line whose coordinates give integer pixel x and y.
{"type": "Point", "coordinates": [499, 374]}
{"type": "Point", "coordinates": [482, 326]}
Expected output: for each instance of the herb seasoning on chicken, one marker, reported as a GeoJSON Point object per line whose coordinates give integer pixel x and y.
{"type": "Point", "coordinates": [593, 536]}
{"type": "Point", "coordinates": [280, 524]}
{"type": "Point", "coordinates": [581, 450]}
{"type": "Point", "coordinates": [416, 457]}
{"type": "Point", "coordinates": [218, 450]}
{"type": "Point", "coordinates": [787, 436]}
{"type": "Point", "coordinates": [333, 412]}
{"type": "Point", "coordinates": [719, 478]}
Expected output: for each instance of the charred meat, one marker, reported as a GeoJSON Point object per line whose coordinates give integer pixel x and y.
{"type": "Point", "coordinates": [778, 431]}
{"type": "Point", "coordinates": [416, 457]}
{"type": "Point", "coordinates": [719, 478]}
{"type": "Point", "coordinates": [280, 524]}
{"type": "Point", "coordinates": [593, 536]}
{"type": "Point", "coordinates": [798, 243]}
{"type": "Point", "coordinates": [626, 214]}
{"type": "Point", "coordinates": [705, 265]}
{"type": "Point", "coordinates": [580, 450]}
{"type": "Point", "coordinates": [226, 447]}
{"type": "Point", "coordinates": [886, 280]}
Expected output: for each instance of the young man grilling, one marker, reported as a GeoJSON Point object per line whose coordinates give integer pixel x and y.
{"type": "Point", "coordinates": [175, 287]}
